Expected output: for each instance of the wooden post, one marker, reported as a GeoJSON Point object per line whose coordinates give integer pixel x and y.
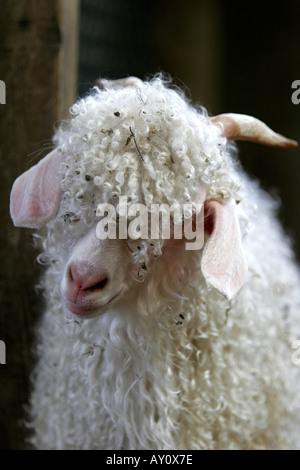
{"type": "Point", "coordinates": [69, 19]}
{"type": "Point", "coordinates": [36, 38]}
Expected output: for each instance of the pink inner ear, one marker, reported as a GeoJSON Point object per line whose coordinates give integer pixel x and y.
{"type": "Point", "coordinates": [35, 194]}
{"type": "Point", "coordinates": [223, 262]}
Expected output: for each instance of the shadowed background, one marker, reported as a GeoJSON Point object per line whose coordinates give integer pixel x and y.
{"type": "Point", "coordinates": [228, 59]}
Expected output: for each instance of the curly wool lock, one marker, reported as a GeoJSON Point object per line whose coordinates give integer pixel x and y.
{"type": "Point", "coordinates": [172, 364]}
{"type": "Point", "coordinates": [149, 145]}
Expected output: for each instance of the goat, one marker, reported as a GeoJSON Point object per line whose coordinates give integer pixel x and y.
{"type": "Point", "coordinates": [145, 344]}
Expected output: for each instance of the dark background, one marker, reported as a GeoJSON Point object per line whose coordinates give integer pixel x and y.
{"type": "Point", "coordinates": [230, 57]}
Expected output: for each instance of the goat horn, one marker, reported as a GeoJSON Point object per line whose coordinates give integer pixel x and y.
{"type": "Point", "coordinates": [243, 127]}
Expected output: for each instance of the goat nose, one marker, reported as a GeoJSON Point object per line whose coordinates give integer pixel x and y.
{"type": "Point", "coordinates": [85, 279]}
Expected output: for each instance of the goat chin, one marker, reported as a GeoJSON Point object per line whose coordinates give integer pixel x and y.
{"type": "Point", "coordinates": [90, 309]}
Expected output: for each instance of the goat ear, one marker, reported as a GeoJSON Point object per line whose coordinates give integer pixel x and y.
{"type": "Point", "coordinates": [35, 194]}
{"type": "Point", "coordinates": [223, 263]}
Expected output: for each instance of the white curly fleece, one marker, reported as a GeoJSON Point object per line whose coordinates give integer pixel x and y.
{"type": "Point", "coordinates": [174, 365]}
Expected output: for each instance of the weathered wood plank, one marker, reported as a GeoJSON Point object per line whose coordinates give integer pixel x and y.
{"type": "Point", "coordinates": [31, 53]}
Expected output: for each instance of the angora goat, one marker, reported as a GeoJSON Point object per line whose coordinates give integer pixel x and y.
{"type": "Point", "coordinates": [145, 344]}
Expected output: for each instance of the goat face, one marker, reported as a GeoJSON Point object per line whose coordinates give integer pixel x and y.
{"type": "Point", "coordinates": [97, 274]}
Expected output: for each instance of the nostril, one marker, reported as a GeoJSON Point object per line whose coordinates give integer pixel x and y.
{"type": "Point", "coordinates": [70, 274]}
{"type": "Point", "coordinates": [86, 278]}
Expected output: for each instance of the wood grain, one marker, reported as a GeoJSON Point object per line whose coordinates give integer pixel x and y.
{"type": "Point", "coordinates": [31, 50]}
